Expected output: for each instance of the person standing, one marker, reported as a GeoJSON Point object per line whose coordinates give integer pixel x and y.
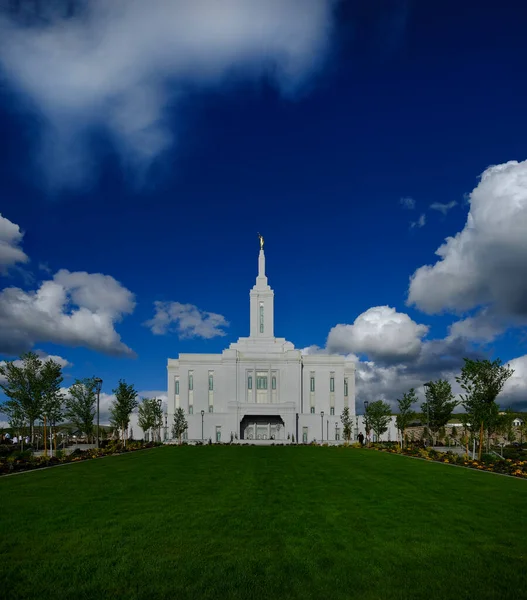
{"type": "Point", "coordinates": [361, 439]}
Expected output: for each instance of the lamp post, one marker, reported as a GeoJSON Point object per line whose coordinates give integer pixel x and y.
{"type": "Point", "coordinates": [336, 426]}
{"type": "Point", "coordinates": [322, 423]}
{"type": "Point", "coordinates": [327, 430]}
{"type": "Point", "coordinates": [202, 415]}
{"type": "Point", "coordinates": [366, 423]}
{"type": "Point", "coordinates": [98, 385]}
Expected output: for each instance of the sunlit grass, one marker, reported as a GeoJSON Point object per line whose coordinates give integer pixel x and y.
{"type": "Point", "coordinates": [252, 522]}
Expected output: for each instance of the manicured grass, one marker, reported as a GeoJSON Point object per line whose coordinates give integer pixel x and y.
{"type": "Point", "coordinates": [252, 522]}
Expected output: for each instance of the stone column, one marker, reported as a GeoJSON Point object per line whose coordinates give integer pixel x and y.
{"type": "Point", "coordinates": [268, 431]}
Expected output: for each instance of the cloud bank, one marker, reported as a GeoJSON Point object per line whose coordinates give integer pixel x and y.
{"type": "Point", "coordinates": [73, 308]}
{"type": "Point", "coordinates": [122, 65]}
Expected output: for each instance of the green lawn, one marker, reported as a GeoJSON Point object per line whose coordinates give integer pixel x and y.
{"type": "Point", "coordinates": [252, 522]}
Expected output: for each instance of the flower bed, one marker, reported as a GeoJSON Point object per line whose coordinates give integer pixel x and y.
{"type": "Point", "coordinates": [25, 461]}
{"type": "Point", "coordinates": [492, 463]}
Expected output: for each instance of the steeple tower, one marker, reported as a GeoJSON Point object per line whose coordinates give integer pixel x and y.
{"type": "Point", "coordinates": [262, 302]}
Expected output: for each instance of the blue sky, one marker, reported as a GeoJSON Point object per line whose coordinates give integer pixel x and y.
{"type": "Point", "coordinates": [139, 162]}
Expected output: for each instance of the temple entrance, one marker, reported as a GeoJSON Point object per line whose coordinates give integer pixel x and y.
{"type": "Point", "coordinates": [260, 427]}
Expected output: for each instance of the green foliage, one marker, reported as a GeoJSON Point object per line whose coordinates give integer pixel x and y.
{"type": "Point", "coordinates": [52, 397]}
{"type": "Point", "coordinates": [406, 414]}
{"type": "Point", "coordinates": [180, 424]}
{"type": "Point", "coordinates": [123, 406]}
{"type": "Point", "coordinates": [81, 405]}
{"type": "Point", "coordinates": [150, 415]}
{"type": "Point", "coordinates": [453, 432]}
{"type": "Point", "coordinates": [439, 404]}
{"type": "Point", "coordinates": [346, 420]}
{"type": "Point", "coordinates": [32, 389]}
{"type": "Point", "coordinates": [482, 381]}
{"type": "Point", "coordinates": [378, 415]}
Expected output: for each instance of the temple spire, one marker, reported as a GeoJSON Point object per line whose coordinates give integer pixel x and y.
{"type": "Point", "coordinates": [262, 301]}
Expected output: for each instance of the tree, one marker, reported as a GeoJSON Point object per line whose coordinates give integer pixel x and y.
{"type": "Point", "coordinates": [157, 416]}
{"type": "Point", "coordinates": [378, 415]}
{"type": "Point", "coordinates": [406, 414]}
{"type": "Point", "coordinates": [439, 405]}
{"type": "Point", "coordinates": [81, 405]}
{"type": "Point", "coordinates": [123, 406]}
{"type": "Point", "coordinates": [52, 396]}
{"type": "Point", "coordinates": [151, 416]}
{"type": "Point", "coordinates": [25, 385]}
{"type": "Point", "coordinates": [453, 432]}
{"type": "Point", "coordinates": [180, 424]}
{"type": "Point", "coordinates": [346, 420]}
{"type": "Point", "coordinates": [145, 417]}
{"type": "Point", "coordinates": [482, 381]}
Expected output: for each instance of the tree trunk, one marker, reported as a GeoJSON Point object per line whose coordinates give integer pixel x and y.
{"type": "Point", "coordinates": [32, 430]}
{"type": "Point", "coordinates": [45, 439]}
{"type": "Point", "coordinates": [480, 441]}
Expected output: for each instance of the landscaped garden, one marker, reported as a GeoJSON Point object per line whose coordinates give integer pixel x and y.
{"type": "Point", "coordinates": [262, 522]}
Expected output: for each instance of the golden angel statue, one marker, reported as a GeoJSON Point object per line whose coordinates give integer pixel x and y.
{"type": "Point", "coordinates": [261, 241]}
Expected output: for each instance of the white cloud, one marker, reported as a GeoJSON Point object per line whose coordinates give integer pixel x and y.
{"type": "Point", "coordinates": [124, 64]}
{"type": "Point", "coordinates": [407, 202]}
{"type": "Point", "coordinates": [380, 333]}
{"type": "Point", "coordinates": [186, 320]}
{"type": "Point", "coordinates": [514, 393]}
{"type": "Point", "coordinates": [484, 265]}
{"type": "Point", "coordinates": [10, 240]}
{"type": "Point", "coordinates": [419, 223]}
{"type": "Point", "coordinates": [443, 208]}
{"type": "Point", "coordinates": [44, 357]}
{"type": "Point", "coordinates": [74, 309]}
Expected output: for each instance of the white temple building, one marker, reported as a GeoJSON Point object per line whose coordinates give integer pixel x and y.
{"type": "Point", "coordinates": [261, 387]}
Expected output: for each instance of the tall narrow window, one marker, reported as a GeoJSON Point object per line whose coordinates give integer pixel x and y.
{"type": "Point", "coordinates": [331, 384]}
{"type": "Point", "coordinates": [261, 317]}
{"type": "Point", "coordinates": [312, 410]}
{"type": "Point", "coordinates": [312, 384]}
{"type": "Point", "coordinates": [191, 380]}
{"type": "Point", "coordinates": [273, 382]}
{"type": "Point", "coordinates": [332, 410]}
{"type": "Point", "coordinates": [177, 387]}
{"type": "Point", "coordinates": [190, 409]}
{"type": "Point", "coordinates": [250, 382]}
{"type": "Point", "coordinates": [345, 387]}
{"type": "Point", "coordinates": [211, 381]}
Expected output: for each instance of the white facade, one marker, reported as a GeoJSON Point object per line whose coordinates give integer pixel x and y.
{"type": "Point", "coordinates": [261, 387]}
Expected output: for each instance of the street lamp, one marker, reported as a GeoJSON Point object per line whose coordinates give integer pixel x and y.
{"type": "Point", "coordinates": [327, 430]}
{"type": "Point", "coordinates": [336, 426]}
{"type": "Point", "coordinates": [202, 415]}
{"type": "Point", "coordinates": [366, 423]}
{"type": "Point", "coordinates": [98, 385]}
{"type": "Point", "coordinates": [322, 423]}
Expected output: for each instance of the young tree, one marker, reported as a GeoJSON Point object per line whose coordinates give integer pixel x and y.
{"type": "Point", "coordinates": [145, 417]}
{"type": "Point", "coordinates": [180, 424]}
{"type": "Point", "coordinates": [378, 415]}
{"type": "Point", "coordinates": [346, 420]}
{"type": "Point", "coordinates": [123, 406]}
{"type": "Point", "coordinates": [157, 416]}
{"type": "Point", "coordinates": [25, 385]}
{"type": "Point", "coordinates": [439, 404]}
{"type": "Point", "coordinates": [151, 416]}
{"type": "Point", "coordinates": [482, 381]}
{"type": "Point", "coordinates": [81, 405]}
{"type": "Point", "coordinates": [52, 396]}
{"type": "Point", "coordinates": [406, 414]}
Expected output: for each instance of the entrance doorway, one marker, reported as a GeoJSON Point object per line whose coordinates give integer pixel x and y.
{"type": "Point", "coordinates": [262, 427]}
